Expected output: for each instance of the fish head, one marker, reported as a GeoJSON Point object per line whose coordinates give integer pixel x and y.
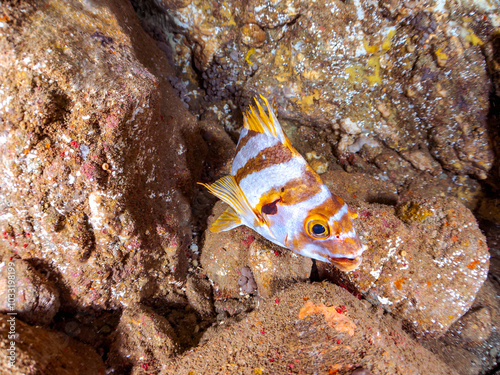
{"type": "Point", "coordinates": [328, 235]}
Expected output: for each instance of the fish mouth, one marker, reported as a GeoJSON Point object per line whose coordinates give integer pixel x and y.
{"type": "Point", "coordinates": [345, 264]}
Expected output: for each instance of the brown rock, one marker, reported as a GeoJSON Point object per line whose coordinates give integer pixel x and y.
{"type": "Point", "coordinates": [25, 291]}
{"type": "Point", "coordinates": [232, 307]}
{"type": "Point", "coordinates": [225, 254]}
{"type": "Point", "coordinates": [252, 35]}
{"type": "Point", "coordinates": [309, 328]}
{"type": "Point", "coordinates": [422, 161]}
{"type": "Point", "coordinates": [275, 267]}
{"type": "Point", "coordinates": [461, 360]}
{"type": "Point", "coordinates": [466, 189]}
{"type": "Point", "coordinates": [95, 174]}
{"type": "Point", "coordinates": [491, 48]}
{"type": "Point", "coordinates": [454, 121]}
{"type": "Point", "coordinates": [142, 339]}
{"type": "Point", "coordinates": [199, 295]}
{"type": "Point", "coordinates": [474, 327]}
{"type": "Point", "coordinates": [396, 168]}
{"type": "Point", "coordinates": [424, 265]}
{"type": "Point", "coordinates": [354, 187]}
{"type": "Point", "coordinates": [38, 350]}
{"type": "Point", "coordinates": [412, 67]}
{"type": "Point", "coordinates": [470, 346]}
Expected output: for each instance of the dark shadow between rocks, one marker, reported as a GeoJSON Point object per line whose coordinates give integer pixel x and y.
{"type": "Point", "coordinates": [158, 191]}
{"type": "Point", "coordinates": [492, 52]}
{"type": "Point", "coordinates": [92, 327]}
{"type": "Point", "coordinates": [87, 325]}
{"type": "Point", "coordinates": [209, 157]}
{"type": "Point", "coordinates": [388, 200]}
{"type": "Point", "coordinates": [54, 276]}
{"type": "Point", "coordinates": [487, 212]}
{"type": "Point", "coordinates": [189, 326]}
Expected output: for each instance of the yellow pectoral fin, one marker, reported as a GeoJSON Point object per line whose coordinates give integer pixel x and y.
{"type": "Point", "coordinates": [228, 220]}
{"type": "Point", "coordinates": [228, 191]}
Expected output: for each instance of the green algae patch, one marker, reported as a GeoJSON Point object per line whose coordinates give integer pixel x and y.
{"type": "Point", "coordinates": [412, 211]}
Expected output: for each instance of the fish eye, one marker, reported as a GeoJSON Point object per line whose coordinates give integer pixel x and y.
{"type": "Point", "coordinates": [317, 228]}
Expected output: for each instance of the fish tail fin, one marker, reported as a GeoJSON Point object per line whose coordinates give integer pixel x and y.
{"type": "Point", "coordinates": [262, 122]}
{"type": "Point", "coordinates": [228, 191]}
{"type": "Point", "coordinates": [226, 221]}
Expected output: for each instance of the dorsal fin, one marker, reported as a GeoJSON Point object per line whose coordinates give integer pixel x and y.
{"type": "Point", "coordinates": [263, 122]}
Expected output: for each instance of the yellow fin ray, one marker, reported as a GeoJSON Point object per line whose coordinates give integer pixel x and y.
{"type": "Point", "coordinates": [266, 122]}
{"type": "Point", "coordinates": [251, 122]}
{"type": "Point", "coordinates": [261, 122]}
{"type": "Point", "coordinates": [228, 191]}
{"type": "Point", "coordinates": [226, 221]}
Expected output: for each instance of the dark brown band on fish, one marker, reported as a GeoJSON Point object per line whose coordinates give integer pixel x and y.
{"type": "Point", "coordinates": [294, 191]}
{"type": "Point", "coordinates": [301, 189]}
{"type": "Point", "coordinates": [330, 207]}
{"type": "Point", "coordinates": [273, 155]}
{"type": "Point", "coordinates": [243, 141]}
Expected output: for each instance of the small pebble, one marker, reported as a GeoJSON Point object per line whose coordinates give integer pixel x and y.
{"type": "Point", "coordinates": [361, 371]}
{"type": "Point", "coordinates": [246, 281]}
{"type": "Point", "coordinates": [349, 126]}
{"type": "Point", "coordinates": [382, 108]}
{"type": "Point", "coordinates": [234, 56]}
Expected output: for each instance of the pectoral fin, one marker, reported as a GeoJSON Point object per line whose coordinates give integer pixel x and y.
{"type": "Point", "coordinates": [228, 220]}
{"type": "Point", "coordinates": [228, 191]}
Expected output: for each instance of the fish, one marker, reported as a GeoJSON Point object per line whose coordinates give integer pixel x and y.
{"type": "Point", "coordinates": [272, 190]}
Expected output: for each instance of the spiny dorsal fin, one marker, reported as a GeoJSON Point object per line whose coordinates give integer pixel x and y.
{"type": "Point", "coordinates": [263, 122]}
{"type": "Point", "coordinates": [226, 221]}
{"type": "Point", "coordinates": [228, 191]}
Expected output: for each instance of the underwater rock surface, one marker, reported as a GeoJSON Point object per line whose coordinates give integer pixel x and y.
{"type": "Point", "coordinates": [99, 160]}
{"type": "Point", "coordinates": [409, 75]}
{"type": "Point", "coordinates": [425, 263]}
{"type": "Point", "coordinates": [39, 350]}
{"type": "Point", "coordinates": [36, 300]}
{"type": "Point", "coordinates": [94, 178]}
{"type": "Point", "coordinates": [142, 337]}
{"type": "Point", "coordinates": [310, 328]}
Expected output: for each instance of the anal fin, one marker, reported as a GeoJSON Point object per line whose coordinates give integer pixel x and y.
{"type": "Point", "coordinates": [228, 220]}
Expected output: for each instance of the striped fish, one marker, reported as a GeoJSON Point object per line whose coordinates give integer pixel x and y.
{"type": "Point", "coordinates": [275, 192]}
